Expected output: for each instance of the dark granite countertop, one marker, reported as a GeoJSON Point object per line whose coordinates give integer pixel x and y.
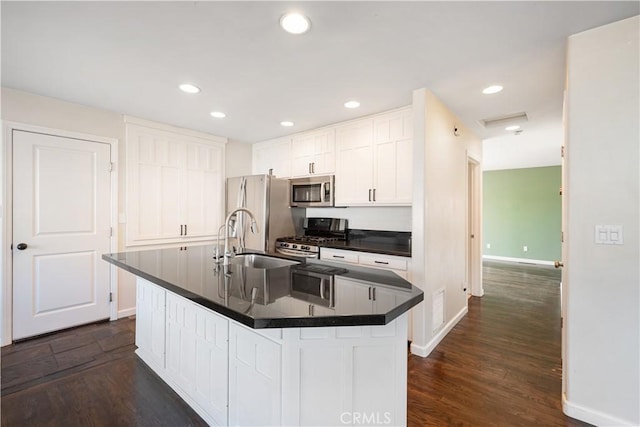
{"type": "Point", "coordinates": [381, 242]}
{"type": "Point", "coordinates": [281, 296]}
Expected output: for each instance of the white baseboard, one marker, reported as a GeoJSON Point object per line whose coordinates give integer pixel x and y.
{"type": "Point", "coordinates": [512, 259]}
{"type": "Point", "coordinates": [425, 350]}
{"type": "Point", "coordinates": [126, 312]}
{"type": "Point", "coordinates": [592, 416]}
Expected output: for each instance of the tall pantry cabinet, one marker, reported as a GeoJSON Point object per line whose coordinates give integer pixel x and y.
{"type": "Point", "coordinates": [175, 184]}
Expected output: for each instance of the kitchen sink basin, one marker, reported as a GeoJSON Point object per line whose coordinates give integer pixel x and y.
{"type": "Point", "coordinates": [261, 261]}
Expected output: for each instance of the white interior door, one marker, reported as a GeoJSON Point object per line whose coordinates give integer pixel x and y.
{"type": "Point", "coordinates": [61, 227]}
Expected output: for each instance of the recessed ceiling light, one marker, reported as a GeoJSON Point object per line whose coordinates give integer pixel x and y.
{"type": "Point", "coordinates": [492, 89]}
{"type": "Point", "coordinates": [286, 124]}
{"type": "Point", "coordinates": [189, 88]}
{"type": "Point", "coordinates": [352, 104]}
{"type": "Point", "coordinates": [218, 115]}
{"type": "Point", "coordinates": [295, 23]}
{"type": "Point", "coordinates": [513, 127]}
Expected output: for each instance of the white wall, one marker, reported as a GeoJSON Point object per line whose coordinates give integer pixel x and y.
{"type": "Point", "coordinates": [238, 159]}
{"type": "Point", "coordinates": [439, 220]}
{"type": "Point", "coordinates": [602, 281]}
{"type": "Point", "coordinates": [385, 218]}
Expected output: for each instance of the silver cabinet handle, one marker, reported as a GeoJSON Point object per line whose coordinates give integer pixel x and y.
{"type": "Point", "coordinates": [374, 194]}
{"type": "Point", "coordinates": [337, 256]}
{"type": "Point", "coordinates": [381, 262]}
{"type": "Point", "coordinates": [369, 194]}
{"type": "Point", "coordinates": [181, 230]}
{"type": "Point", "coordinates": [185, 228]}
{"type": "Point", "coordinates": [374, 294]}
{"type": "Point", "coordinates": [310, 309]}
{"type": "Point", "coordinates": [313, 167]}
{"type": "Point", "coordinates": [309, 167]}
{"type": "Point", "coordinates": [370, 292]}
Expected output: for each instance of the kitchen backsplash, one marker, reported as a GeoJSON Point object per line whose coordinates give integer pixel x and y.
{"type": "Point", "coordinates": [369, 218]}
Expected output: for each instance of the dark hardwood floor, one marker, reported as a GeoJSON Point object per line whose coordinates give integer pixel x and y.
{"type": "Point", "coordinates": [500, 366]}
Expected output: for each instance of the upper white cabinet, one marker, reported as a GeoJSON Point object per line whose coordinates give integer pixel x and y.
{"type": "Point", "coordinates": [273, 157]}
{"type": "Point", "coordinates": [374, 160]}
{"type": "Point", "coordinates": [313, 153]}
{"type": "Point", "coordinates": [354, 163]}
{"type": "Point", "coordinates": [175, 184]}
{"type": "Point", "coordinates": [393, 156]}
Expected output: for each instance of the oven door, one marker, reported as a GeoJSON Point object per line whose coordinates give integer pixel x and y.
{"type": "Point", "coordinates": [295, 252]}
{"type": "Point", "coordinates": [314, 191]}
{"type": "Point", "coordinates": [313, 287]}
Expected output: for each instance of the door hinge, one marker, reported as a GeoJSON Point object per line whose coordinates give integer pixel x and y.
{"type": "Point", "coordinates": [562, 237]}
{"type": "Point", "coordinates": [111, 166]}
{"type": "Point", "coordinates": [110, 231]}
{"type": "Point", "coordinates": [561, 322]}
{"type": "Point", "coordinates": [110, 296]}
{"type": "Point", "coordinates": [562, 151]}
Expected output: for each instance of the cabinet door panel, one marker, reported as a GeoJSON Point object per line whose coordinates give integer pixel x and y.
{"type": "Point", "coordinates": [274, 156]}
{"type": "Point", "coordinates": [197, 355]}
{"type": "Point", "coordinates": [150, 324]}
{"type": "Point", "coordinates": [254, 379]}
{"type": "Point", "coordinates": [354, 163]}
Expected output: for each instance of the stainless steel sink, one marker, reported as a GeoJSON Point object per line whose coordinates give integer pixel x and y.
{"type": "Point", "coordinates": [261, 261]}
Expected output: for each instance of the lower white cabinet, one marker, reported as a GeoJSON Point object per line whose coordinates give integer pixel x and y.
{"type": "Point", "coordinates": [397, 264]}
{"type": "Point", "coordinates": [255, 381]}
{"type": "Point", "coordinates": [197, 354]}
{"type": "Point", "coordinates": [233, 375]}
{"type": "Point", "coordinates": [150, 323]}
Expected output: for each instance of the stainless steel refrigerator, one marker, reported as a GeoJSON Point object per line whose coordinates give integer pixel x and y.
{"type": "Point", "coordinates": [267, 197]}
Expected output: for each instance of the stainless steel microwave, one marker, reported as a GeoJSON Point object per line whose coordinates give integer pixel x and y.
{"type": "Point", "coordinates": [312, 192]}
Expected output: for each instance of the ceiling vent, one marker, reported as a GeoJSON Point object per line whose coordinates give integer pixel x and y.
{"type": "Point", "coordinates": [504, 120]}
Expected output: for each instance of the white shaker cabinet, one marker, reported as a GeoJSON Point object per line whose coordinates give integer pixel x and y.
{"type": "Point", "coordinates": [197, 354]}
{"type": "Point", "coordinates": [175, 185]}
{"type": "Point", "coordinates": [150, 324]}
{"type": "Point", "coordinates": [393, 148]}
{"type": "Point", "coordinates": [354, 163]}
{"type": "Point", "coordinates": [374, 160]}
{"type": "Point", "coordinates": [397, 264]}
{"type": "Point", "coordinates": [313, 153]}
{"type": "Point", "coordinates": [255, 380]}
{"type": "Point", "coordinates": [272, 157]}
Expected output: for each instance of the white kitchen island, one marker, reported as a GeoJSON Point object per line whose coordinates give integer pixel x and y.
{"type": "Point", "coordinates": [276, 360]}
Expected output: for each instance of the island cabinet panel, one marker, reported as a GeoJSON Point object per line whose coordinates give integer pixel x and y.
{"type": "Point", "coordinates": [150, 323]}
{"type": "Point", "coordinates": [175, 186]}
{"type": "Point", "coordinates": [197, 355]}
{"type": "Point", "coordinates": [342, 376]}
{"type": "Point", "coordinates": [255, 366]}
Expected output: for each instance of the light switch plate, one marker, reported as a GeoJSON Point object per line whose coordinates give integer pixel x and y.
{"type": "Point", "coordinates": [608, 234]}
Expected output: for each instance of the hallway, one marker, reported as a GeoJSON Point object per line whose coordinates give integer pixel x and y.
{"type": "Point", "coordinates": [501, 364]}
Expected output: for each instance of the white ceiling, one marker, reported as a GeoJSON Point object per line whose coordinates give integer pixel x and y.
{"type": "Point", "coordinates": [129, 57]}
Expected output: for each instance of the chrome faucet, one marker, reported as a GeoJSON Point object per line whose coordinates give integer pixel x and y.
{"type": "Point", "coordinates": [217, 255]}
{"type": "Point", "coordinates": [254, 229]}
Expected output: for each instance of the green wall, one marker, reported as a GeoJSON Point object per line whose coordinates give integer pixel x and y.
{"type": "Point", "coordinates": [522, 207]}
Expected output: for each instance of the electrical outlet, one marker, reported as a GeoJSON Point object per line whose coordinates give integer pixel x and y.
{"type": "Point", "coordinates": [525, 249]}
{"type": "Point", "coordinates": [488, 245]}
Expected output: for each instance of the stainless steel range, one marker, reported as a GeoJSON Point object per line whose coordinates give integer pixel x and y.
{"type": "Point", "coordinates": [316, 232]}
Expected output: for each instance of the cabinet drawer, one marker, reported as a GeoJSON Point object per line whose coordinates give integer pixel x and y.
{"type": "Point", "coordinates": [339, 255]}
{"type": "Point", "coordinates": [384, 261]}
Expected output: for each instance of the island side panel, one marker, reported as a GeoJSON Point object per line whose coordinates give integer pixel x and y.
{"type": "Point", "coordinates": [345, 375]}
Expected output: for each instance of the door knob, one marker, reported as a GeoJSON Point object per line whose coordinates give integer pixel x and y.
{"type": "Point", "coordinates": [558, 264]}
{"type": "Point", "coordinates": [21, 246]}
